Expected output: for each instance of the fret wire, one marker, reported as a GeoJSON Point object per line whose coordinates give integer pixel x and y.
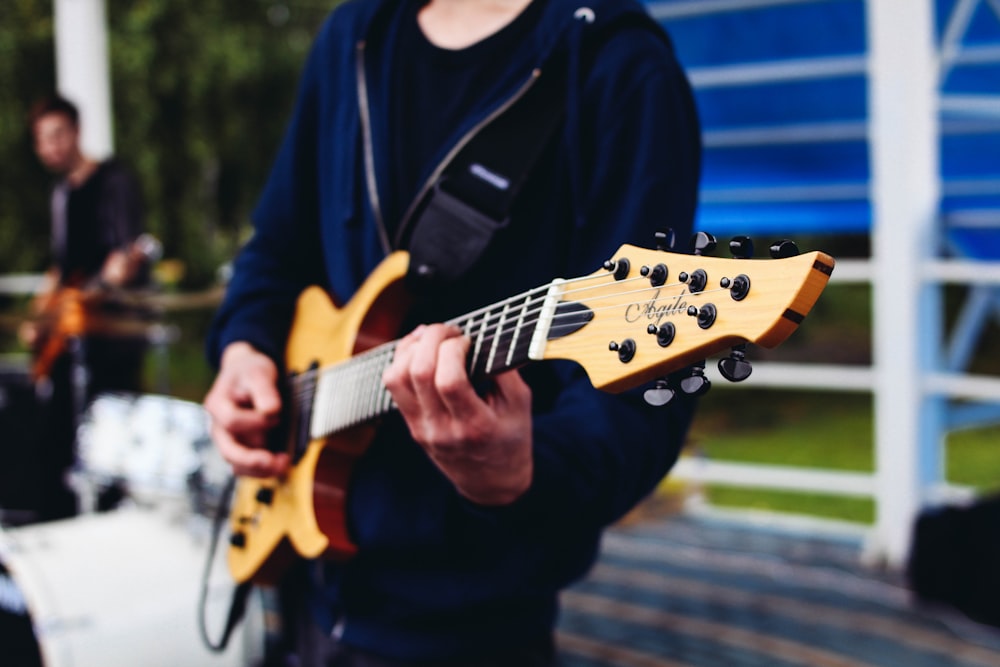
{"type": "Point", "coordinates": [356, 389]}
{"type": "Point", "coordinates": [375, 386]}
{"type": "Point", "coordinates": [349, 393]}
{"type": "Point", "coordinates": [366, 404]}
{"type": "Point", "coordinates": [517, 330]}
{"type": "Point", "coordinates": [380, 406]}
{"type": "Point", "coordinates": [496, 339]}
{"type": "Point", "coordinates": [478, 342]}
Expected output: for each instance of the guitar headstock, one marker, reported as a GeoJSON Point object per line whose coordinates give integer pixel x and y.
{"type": "Point", "coordinates": [650, 312]}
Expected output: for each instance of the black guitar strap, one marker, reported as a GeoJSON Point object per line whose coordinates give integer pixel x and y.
{"type": "Point", "coordinates": [472, 199]}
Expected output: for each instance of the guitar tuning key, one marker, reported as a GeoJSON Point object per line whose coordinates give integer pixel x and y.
{"type": "Point", "coordinates": [703, 243]}
{"type": "Point", "coordinates": [735, 367]}
{"type": "Point", "coordinates": [665, 239]}
{"type": "Point", "coordinates": [659, 394]}
{"type": "Point", "coordinates": [618, 267]}
{"type": "Point", "coordinates": [741, 247]}
{"type": "Point", "coordinates": [695, 384]}
{"type": "Point", "coordinates": [784, 248]}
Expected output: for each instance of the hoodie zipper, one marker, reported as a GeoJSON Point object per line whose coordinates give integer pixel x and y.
{"type": "Point", "coordinates": [466, 138]}
{"type": "Point", "coordinates": [369, 151]}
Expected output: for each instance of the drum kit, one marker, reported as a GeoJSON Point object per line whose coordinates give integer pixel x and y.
{"type": "Point", "coordinates": [118, 586]}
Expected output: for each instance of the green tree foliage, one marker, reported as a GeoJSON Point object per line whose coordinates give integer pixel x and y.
{"type": "Point", "coordinates": [201, 94]}
{"type": "Point", "coordinates": [27, 67]}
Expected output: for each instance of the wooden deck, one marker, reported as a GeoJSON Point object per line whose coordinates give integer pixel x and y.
{"type": "Point", "coordinates": [687, 591]}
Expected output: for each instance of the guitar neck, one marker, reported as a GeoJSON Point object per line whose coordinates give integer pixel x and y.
{"type": "Point", "coordinates": [503, 336]}
{"type": "Point", "coordinates": [643, 315]}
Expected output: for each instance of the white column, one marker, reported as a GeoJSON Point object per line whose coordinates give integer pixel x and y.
{"type": "Point", "coordinates": [903, 130]}
{"type": "Point", "coordinates": [82, 69]}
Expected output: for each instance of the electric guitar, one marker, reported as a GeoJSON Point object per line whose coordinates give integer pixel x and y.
{"type": "Point", "coordinates": [645, 314]}
{"type": "Point", "coordinates": [74, 309]}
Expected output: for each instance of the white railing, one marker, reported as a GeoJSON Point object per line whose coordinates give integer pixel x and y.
{"type": "Point", "coordinates": [910, 384]}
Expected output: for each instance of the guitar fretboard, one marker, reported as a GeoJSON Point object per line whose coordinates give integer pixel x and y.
{"type": "Point", "coordinates": [504, 336]}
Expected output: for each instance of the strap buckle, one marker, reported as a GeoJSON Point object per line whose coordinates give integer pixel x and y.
{"type": "Point", "coordinates": [450, 238]}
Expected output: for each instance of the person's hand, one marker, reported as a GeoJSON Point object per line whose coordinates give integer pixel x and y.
{"type": "Point", "coordinates": [27, 334]}
{"type": "Point", "coordinates": [116, 270]}
{"type": "Point", "coordinates": [482, 444]}
{"type": "Point", "coordinates": [245, 405]}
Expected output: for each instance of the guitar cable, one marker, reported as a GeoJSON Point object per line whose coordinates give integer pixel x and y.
{"type": "Point", "coordinates": [241, 592]}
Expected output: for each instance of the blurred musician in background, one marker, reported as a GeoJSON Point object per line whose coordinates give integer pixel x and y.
{"type": "Point", "coordinates": [80, 343]}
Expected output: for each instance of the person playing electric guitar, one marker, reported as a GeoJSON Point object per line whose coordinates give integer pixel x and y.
{"type": "Point", "coordinates": [474, 504]}
{"type": "Point", "coordinates": [98, 248]}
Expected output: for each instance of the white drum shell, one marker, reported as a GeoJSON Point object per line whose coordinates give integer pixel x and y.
{"type": "Point", "coordinates": [152, 443]}
{"type": "Point", "coordinates": [122, 589]}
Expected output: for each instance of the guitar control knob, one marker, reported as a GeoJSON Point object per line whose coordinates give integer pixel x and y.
{"type": "Point", "coordinates": [238, 540]}
{"type": "Point", "coordinates": [265, 495]}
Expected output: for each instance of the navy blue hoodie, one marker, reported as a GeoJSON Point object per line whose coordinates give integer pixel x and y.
{"type": "Point", "coordinates": [435, 575]}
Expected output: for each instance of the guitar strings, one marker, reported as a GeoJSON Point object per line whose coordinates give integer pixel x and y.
{"type": "Point", "coordinates": [489, 327]}
{"type": "Point", "coordinates": [370, 397]}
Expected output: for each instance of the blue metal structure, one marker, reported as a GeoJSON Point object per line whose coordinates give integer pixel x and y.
{"type": "Point", "coordinates": [877, 117]}
{"type": "Point", "coordinates": [783, 91]}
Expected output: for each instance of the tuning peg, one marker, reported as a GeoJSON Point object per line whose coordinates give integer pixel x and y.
{"type": "Point", "coordinates": [659, 394]}
{"type": "Point", "coordinates": [695, 384]}
{"type": "Point", "coordinates": [784, 248]}
{"type": "Point", "coordinates": [735, 367]}
{"type": "Point", "coordinates": [741, 247]}
{"type": "Point", "coordinates": [665, 239]}
{"type": "Point", "coordinates": [703, 243]}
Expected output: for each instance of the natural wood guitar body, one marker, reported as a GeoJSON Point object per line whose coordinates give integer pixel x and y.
{"type": "Point", "coordinates": [307, 513]}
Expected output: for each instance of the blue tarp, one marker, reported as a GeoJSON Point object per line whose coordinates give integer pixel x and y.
{"type": "Point", "coordinates": [787, 150]}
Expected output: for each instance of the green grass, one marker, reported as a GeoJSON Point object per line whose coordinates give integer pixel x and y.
{"type": "Point", "coordinates": [973, 457]}
{"type": "Point", "coordinates": [815, 429]}
{"type": "Point", "coordinates": [857, 510]}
